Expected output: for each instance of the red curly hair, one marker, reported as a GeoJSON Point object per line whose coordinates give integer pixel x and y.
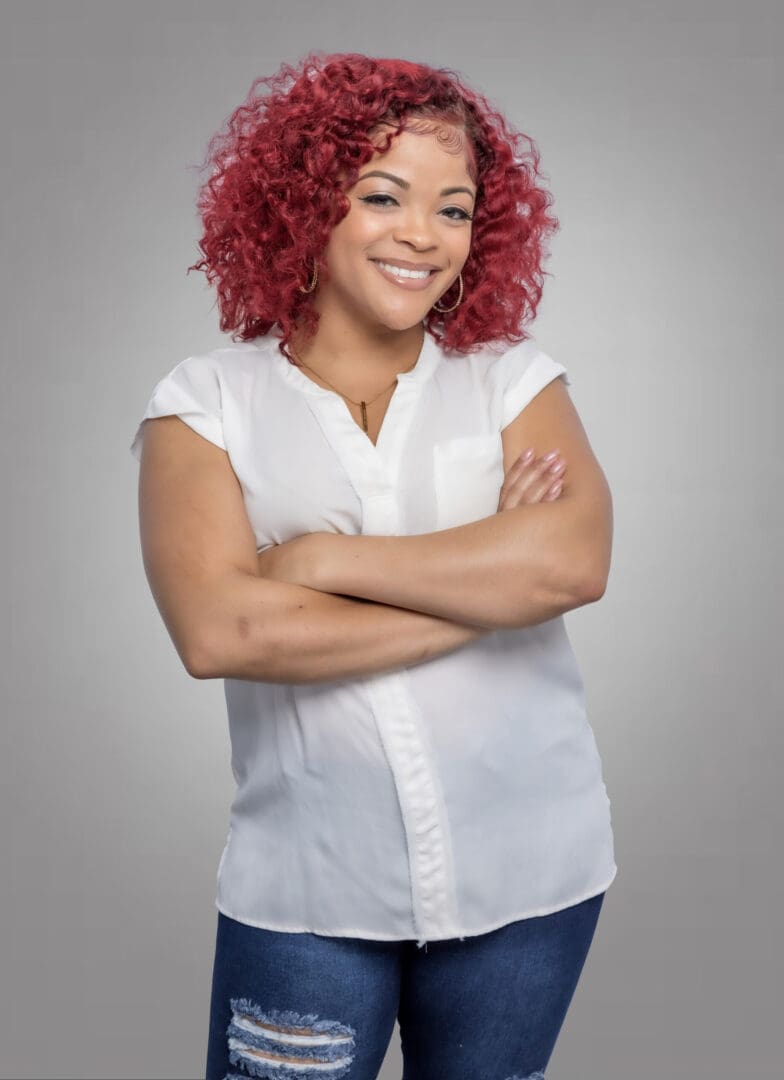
{"type": "Point", "coordinates": [276, 190]}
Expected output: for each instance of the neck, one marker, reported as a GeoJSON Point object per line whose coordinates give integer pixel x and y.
{"type": "Point", "coordinates": [349, 352]}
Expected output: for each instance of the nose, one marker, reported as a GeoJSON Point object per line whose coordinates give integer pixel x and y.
{"type": "Point", "coordinates": [415, 227]}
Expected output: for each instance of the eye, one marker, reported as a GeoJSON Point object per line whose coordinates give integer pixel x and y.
{"type": "Point", "coordinates": [463, 215]}
{"type": "Point", "coordinates": [373, 199]}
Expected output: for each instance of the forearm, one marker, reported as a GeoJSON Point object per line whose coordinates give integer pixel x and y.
{"type": "Point", "coordinates": [273, 631]}
{"type": "Point", "coordinates": [515, 568]}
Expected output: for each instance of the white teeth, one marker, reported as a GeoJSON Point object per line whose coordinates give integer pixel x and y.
{"type": "Point", "coordinates": [398, 271]}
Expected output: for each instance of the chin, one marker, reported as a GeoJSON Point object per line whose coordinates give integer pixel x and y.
{"type": "Point", "coordinates": [403, 320]}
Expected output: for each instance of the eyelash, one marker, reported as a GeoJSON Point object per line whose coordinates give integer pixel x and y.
{"type": "Point", "coordinates": [465, 215]}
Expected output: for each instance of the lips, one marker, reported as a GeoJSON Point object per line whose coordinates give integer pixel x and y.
{"type": "Point", "coordinates": [412, 284]}
{"type": "Point", "coordinates": [408, 265]}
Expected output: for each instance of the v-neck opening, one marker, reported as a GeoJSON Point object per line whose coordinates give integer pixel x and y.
{"type": "Point", "coordinates": [398, 412]}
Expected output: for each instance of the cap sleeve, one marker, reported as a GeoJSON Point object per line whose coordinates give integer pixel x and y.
{"type": "Point", "coordinates": [523, 371]}
{"type": "Point", "coordinates": [191, 391]}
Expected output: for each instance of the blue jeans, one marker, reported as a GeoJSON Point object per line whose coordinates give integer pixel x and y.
{"type": "Point", "coordinates": [301, 1006]}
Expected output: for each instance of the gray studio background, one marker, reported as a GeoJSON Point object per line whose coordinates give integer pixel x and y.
{"type": "Point", "coordinates": [660, 132]}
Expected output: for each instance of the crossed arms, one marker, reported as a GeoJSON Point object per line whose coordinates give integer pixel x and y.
{"type": "Point", "coordinates": [299, 612]}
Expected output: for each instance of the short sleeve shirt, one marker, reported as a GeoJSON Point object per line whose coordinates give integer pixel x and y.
{"type": "Point", "coordinates": [440, 800]}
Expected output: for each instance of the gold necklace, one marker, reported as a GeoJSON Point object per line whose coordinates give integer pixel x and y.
{"type": "Point", "coordinates": [362, 404]}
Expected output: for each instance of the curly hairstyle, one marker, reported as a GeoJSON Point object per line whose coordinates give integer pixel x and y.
{"type": "Point", "coordinates": [281, 166]}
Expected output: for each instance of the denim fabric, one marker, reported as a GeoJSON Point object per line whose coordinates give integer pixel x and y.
{"type": "Point", "coordinates": [486, 1007]}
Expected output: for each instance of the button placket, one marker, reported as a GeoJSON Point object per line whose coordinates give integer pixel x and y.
{"type": "Point", "coordinates": [374, 472]}
{"type": "Point", "coordinates": [423, 812]}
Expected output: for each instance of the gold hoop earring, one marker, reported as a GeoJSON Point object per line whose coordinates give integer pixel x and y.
{"type": "Point", "coordinates": [459, 297]}
{"type": "Point", "coordinates": [314, 283]}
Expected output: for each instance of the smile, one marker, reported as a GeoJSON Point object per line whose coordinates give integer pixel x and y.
{"type": "Point", "coordinates": [406, 279]}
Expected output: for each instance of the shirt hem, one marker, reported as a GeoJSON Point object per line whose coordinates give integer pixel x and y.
{"type": "Point", "coordinates": [370, 936]}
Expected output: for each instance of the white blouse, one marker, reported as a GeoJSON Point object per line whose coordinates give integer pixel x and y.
{"type": "Point", "coordinates": [440, 800]}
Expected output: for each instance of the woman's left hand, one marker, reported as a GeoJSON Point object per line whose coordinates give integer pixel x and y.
{"type": "Point", "coordinates": [295, 561]}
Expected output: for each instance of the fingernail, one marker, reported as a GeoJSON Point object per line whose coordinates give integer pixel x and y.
{"type": "Point", "coordinates": [529, 453]}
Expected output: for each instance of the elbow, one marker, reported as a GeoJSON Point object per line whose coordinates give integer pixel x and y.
{"type": "Point", "coordinates": [225, 638]}
{"type": "Point", "coordinates": [589, 548]}
{"type": "Point", "coordinates": [205, 654]}
{"type": "Point", "coordinates": [233, 650]}
{"type": "Point", "coordinates": [593, 583]}
{"type": "Point", "coordinates": [590, 569]}
{"type": "Point", "coordinates": [575, 588]}
{"type": "Point", "coordinates": [199, 662]}
{"type": "Point", "coordinates": [593, 589]}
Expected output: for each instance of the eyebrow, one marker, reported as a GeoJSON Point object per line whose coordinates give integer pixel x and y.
{"type": "Point", "coordinates": [405, 185]}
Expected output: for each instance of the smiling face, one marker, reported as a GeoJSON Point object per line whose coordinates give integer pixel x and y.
{"type": "Point", "coordinates": [416, 215]}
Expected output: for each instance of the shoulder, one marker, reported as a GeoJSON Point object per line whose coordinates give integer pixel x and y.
{"type": "Point", "coordinates": [214, 376]}
{"type": "Point", "coordinates": [508, 375]}
{"type": "Point", "coordinates": [519, 372]}
{"type": "Point", "coordinates": [199, 387]}
{"type": "Point", "coordinates": [219, 364]}
{"type": "Point", "coordinates": [511, 362]}
{"type": "Point", "coordinates": [503, 363]}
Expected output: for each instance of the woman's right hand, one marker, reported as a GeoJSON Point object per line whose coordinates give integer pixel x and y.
{"type": "Point", "coordinates": [532, 481]}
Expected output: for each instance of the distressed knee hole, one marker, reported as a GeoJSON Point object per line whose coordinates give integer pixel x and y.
{"type": "Point", "coordinates": [285, 1045]}
{"type": "Point", "coordinates": [532, 1076]}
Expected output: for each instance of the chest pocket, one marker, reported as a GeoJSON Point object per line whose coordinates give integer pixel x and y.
{"type": "Point", "coordinates": [467, 473]}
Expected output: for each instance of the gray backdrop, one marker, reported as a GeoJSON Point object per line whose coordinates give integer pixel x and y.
{"type": "Point", "coordinates": [660, 131]}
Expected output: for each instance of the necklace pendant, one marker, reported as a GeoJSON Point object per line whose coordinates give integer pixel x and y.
{"type": "Point", "coordinates": [364, 415]}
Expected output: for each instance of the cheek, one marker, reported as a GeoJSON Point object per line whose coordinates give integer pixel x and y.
{"type": "Point", "coordinates": [352, 237]}
{"type": "Point", "coordinates": [460, 249]}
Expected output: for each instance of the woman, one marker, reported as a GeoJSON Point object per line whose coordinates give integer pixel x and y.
{"type": "Point", "coordinates": [338, 518]}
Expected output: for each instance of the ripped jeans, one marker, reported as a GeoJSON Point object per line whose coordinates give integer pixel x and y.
{"type": "Point", "coordinates": [304, 1005]}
